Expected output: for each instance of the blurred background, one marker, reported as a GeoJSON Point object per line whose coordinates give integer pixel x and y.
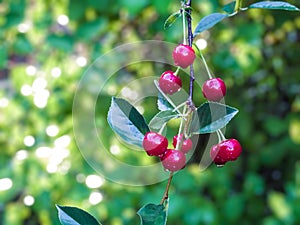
{"type": "Point", "coordinates": [45, 47]}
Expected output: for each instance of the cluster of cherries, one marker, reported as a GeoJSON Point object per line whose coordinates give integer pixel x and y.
{"type": "Point", "coordinates": [156, 144]}
{"type": "Point", "coordinates": [213, 89]}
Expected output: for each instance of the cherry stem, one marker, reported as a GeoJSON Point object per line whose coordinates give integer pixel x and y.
{"type": "Point", "coordinates": [221, 136]}
{"type": "Point", "coordinates": [166, 193]}
{"type": "Point", "coordinates": [183, 26]}
{"type": "Point", "coordinates": [178, 107]}
{"type": "Point", "coordinates": [238, 5]}
{"type": "Point", "coordinates": [190, 42]}
{"type": "Point", "coordinates": [205, 64]}
{"type": "Point", "coordinates": [177, 71]}
{"type": "Point", "coordinates": [181, 130]}
{"type": "Point", "coordinates": [162, 128]}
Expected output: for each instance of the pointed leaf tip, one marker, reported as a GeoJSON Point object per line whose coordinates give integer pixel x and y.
{"type": "Point", "coordinates": [211, 116]}
{"type": "Point", "coordinates": [172, 19]}
{"type": "Point", "coordinates": [279, 5]}
{"type": "Point", "coordinates": [209, 21]}
{"type": "Point", "coordinates": [74, 216]}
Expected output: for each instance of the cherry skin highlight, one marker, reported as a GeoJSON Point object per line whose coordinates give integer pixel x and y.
{"type": "Point", "coordinates": [169, 83]}
{"type": "Point", "coordinates": [214, 89]}
{"type": "Point", "coordinates": [183, 55]}
{"type": "Point", "coordinates": [173, 160]}
{"type": "Point", "coordinates": [155, 144]}
{"type": "Point", "coordinates": [228, 150]}
{"type": "Point", "coordinates": [187, 144]}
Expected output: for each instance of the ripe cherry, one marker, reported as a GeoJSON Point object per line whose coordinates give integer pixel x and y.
{"type": "Point", "coordinates": [183, 55]}
{"type": "Point", "coordinates": [214, 89]}
{"type": "Point", "coordinates": [228, 150]}
{"type": "Point", "coordinates": [187, 144]}
{"type": "Point", "coordinates": [169, 83]}
{"type": "Point", "coordinates": [173, 160]}
{"type": "Point", "coordinates": [155, 144]}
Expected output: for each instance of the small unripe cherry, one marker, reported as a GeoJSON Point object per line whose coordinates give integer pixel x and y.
{"type": "Point", "coordinates": [183, 55]}
{"type": "Point", "coordinates": [169, 83]}
{"type": "Point", "coordinates": [214, 89]}
{"type": "Point", "coordinates": [227, 150]}
{"type": "Point", "coordinates": [173, 160]}
{"type": "Point", "coordinates": [155, 144]}
{"type": "Point", "coordinates": [187, 144]}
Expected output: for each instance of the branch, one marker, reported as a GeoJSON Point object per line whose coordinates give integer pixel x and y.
{"type": "Point", "coordinates": [190, 42]}
{"type": "Point", "coordinates": [166, 194]}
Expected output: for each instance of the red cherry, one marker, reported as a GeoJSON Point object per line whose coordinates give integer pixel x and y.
{"type": "Point", "coordinates": [214, 89]}
{"type": "Point", "coordinates": [187, 144]}
{"type": "Point", "coordinates": [183, 55]}
{"type": "Point", "coordinates": [169, 83]}
{"type": "Point", "coordinates": [228, 150]}
{"type": "Point", "coordinates": [155, 144]}
{"type": "Point", "coordinates": [173, 160]}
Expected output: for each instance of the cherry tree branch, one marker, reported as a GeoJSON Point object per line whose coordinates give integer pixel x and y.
{"type": "Point", "coordinates": [190, 42]}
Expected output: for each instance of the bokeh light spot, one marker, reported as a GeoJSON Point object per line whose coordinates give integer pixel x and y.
{"type": "Point", "coordinates": [52, 130]}
{"type": "Point", "coordinates": [94, 181]}
{"type": "Point", "coordinates": [63, 20]}
{"type": "Point", "coordinates": [28, 200]}
{"type": "Point", "coordinates": [29, 141]}
{"type": "Point", "coordinates": [56, 72]}
{"type": "Point", "coordinates": [201, 43]}
{"type": "Point", "coordinates": [5, 184]}
{"type": "Point", "coordinates": [81, 61]}
{"type": "Point", "coordinates": [31, 70]}
{"type": "Point", "coordinates": [95, 198]}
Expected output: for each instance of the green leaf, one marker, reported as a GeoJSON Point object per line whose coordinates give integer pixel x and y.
{"type": "Point", "coordinates": [229, 8]}
{"type": "Point", "coordinates": [209, 21]}
{"type": "Point", "coordinates": [163, 104]}
{"type": "Point", "coordinates": [127, 122]}
{"type": "Point", "coordinates": [210, 117]}
{"type": "Point", "coordinates": [3, 56]}
{"type": "Point", "coordinates": [152, 214]}
{"type": "Point", "coordinates": [171, 19]}
{"type": "Point", "coordinates": [64, 43]}
{"type": "Point", "coordinates": [161, 118]}
{"type": "Point", "coordinates": [74, 216]}
{"type": "Point", "coordinates": [90, 29]}
{"type": "Point", "coordinates": [274, 5]}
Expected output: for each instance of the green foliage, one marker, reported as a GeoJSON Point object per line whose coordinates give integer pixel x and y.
{"type": "Point", "coordinates": [75, 216]}
{"type": "Point", "coordinates": [127, 122]}
{"type": "Point", "coordinates": [211, 117]}
{"type": "Point", "coordinates": [171, 19]}
{"type": "Point", "coordinates": [274, 5]}
{"type": "Point", "coordinates": [152, 214]}
{"type": "Point", "coordinates": [208, 22]}
{"type": "Point", "coordinates": [161, 118]}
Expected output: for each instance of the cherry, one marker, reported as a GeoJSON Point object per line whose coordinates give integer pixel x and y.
{"type": "Point", "coordinates": [169, 83]}
{"type": "Point", "coordinates": [173, 160]}
{"type": "Point", "coordinates": [214, 89]}
{"type": "Point", "coordinates": [228, 150]}
{"type": "Point", "coordinates": [155, 144]}
{"type": "Point", "coordinates": [187, 144]}
{"type": "Point", "coordinates": [183, 55]}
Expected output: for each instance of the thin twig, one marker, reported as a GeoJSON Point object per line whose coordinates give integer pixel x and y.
{"type": "Point", "coordinates": [166, 194]}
